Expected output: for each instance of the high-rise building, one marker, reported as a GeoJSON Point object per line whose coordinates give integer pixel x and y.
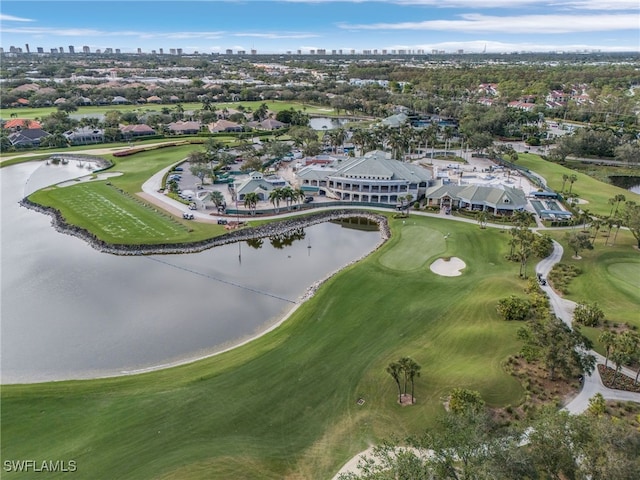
{"type": "Point", "coordinates": [118, 51]}
{"type": "Point", "coordinates": [86, 49]}
{"type": "Point", "coordinates": [61, 49]}
{"type": "Point", "coordinates": [179, 51]}
{"type": "Point", "coordinates": [26, 47]}
{"type": "Point", "coordinates": [72, 49]}
{"type": "Point", "coordinates": [40, 50]}
{"type": "Point", "coordinates": [228, 51]}
{"type": "Point", "coordinates": [139, 50]}
{"type": "Point", "coordinates": [54, 50]}
{"type": "Point", "coordinates": [108, 51]}
{"type": "Point", "coordinates": [299, 52]}
{"type": "Point", "coordinates": [161, 51]}
{"type": "Point", "coordinates": [254, 52]}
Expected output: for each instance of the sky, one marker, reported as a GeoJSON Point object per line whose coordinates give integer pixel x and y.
{"type": "Point", "coordinates": [279, 26]}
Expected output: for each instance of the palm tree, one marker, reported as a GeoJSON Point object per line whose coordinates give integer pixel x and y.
{"type": "Point", "coordinates": [608, 340]}
{"type": "Point", "coordinates": [251, 201]}
{"type": "Point", "coordinates": [394, 369]}
{"type": "Point", "coordinates": [337, 138]}
{"type": "Point", "coordinates": [565, 177]}
{"type": "Point", "coordinates": [359, 139]}
{"type": "Point", "coordinates": [618, 198]}
{"type": "Point", "coordinates": [483, 216]}
{"type": "Point", "coordinates": [274, 197]}
{"type": "Point", "coordinates": [413, 371]}
{"type": "Point", "coordinates": [300, 195]}
{"type": "Point", "coordinates": [572, 178]}
{"type": "Point", "coordinates": [217, 198]}
{"type": "Point", "coordinates": [289, 195]}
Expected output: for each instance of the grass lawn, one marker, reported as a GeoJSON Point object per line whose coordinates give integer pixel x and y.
{"type": "Point", "coordinates": [274, 106]}
{"type": "Point", "coordinates": [610, 276]}
{"type": "Point", "coordinates": [285, 405]}
{"type": "Point", "coordinates": [115, 214]}
{"type": "Point", "coordinates": [597, 193]}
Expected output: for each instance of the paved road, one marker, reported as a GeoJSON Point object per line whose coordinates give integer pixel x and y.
{"type": "Point", "coordinates": [563, 309]}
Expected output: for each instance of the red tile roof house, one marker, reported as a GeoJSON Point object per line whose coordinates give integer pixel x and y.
{"type": "Point", "coordinates": [16, 124]}
{"type": "Point", "coordinates": [154, 99]}
{"type": "Point", "coordinates": [184, 128]}
{"type": "Point", "coordinates": [21, 102]}
{"type": "Point", "coordinates": [225, 126]}
{"type": "Point", "coordinates": [139, 130]}
{"type": "Point", "coordinates": [527, 107]}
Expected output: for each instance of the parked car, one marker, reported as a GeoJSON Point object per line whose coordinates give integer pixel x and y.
{"type": "Point", "coordinates": [222, 221]}
{"type": "Point", "coordinates": [188, 216]}
{"type": "Point", "coordinates": [178, 169]}
{"type": "Point", "coordinates": [308, 199]}
{"type": "Point", "coordinates": [193, 206]}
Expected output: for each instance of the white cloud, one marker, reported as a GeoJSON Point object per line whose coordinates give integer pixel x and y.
{"type": "Point", "coordinates": [275, 36]}
{"type": "Point", "coordinates": [11, 18]}
{"type": "Point", "coordinates": [540, 24]}
{"type": "Point", "coordinates": [478, 46]}
{"type": "Point", "coordinates": [510, 4]}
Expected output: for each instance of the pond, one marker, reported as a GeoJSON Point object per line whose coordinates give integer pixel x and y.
{"type": "Point", "coordinates": [328, 123]}
{"type": "Point", "coordinates": [71, 312]}
{"type": "Point", "coordinates": [628, 182]}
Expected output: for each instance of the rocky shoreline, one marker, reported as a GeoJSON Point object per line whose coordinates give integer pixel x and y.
{"type": "Point", "coordinates": [249, 233]}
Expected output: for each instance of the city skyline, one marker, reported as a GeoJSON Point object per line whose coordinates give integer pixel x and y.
{"type": "Point", "coordinates": [313, 26]}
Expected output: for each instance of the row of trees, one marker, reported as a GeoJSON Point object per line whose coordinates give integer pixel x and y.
{"type": "Point", "coordinates": [470, 445]}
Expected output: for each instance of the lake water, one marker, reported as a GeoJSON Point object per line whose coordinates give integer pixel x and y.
{"type": "Point", "coordinates": [328, 123]}
{"type": "Point", "coordinates": [630, 183]}
{"type": "Point", "coordinates": [71, 312]}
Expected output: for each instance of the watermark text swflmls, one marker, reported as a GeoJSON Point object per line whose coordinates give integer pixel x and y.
{"type": "Point", "coordinates": [40, 466]}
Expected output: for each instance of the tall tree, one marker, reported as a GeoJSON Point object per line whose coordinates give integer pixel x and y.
{"type": "Point", "coordinates": [630, 216]}
{"type": "Point", "coordinates": [395, 370]}
{"type": "Point", "coordinates": [608, 340]}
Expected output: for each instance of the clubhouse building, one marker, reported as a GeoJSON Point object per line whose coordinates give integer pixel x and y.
{"type": "Point", "coordinates": [373, 178]}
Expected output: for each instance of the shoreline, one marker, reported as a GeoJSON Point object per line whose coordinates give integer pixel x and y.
{"type": "Point", "coordinates": [278, 227]}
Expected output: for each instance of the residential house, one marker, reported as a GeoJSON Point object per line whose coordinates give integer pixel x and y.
{"type": "Point", "coordinates": [27, 137]}
{"type": "Point", "coordinates": [84, 135]}
{"type": "Point", "coordinates": [119, 100]}
{"type": "Point", "coordinates": [16, 124]}
{"type": "Point", "coordinates": [525, 106]}
{"type": "Point", "coordinates": [225, 126]}
{"type": "Point", "coordinates": [184, 128]}
{"type": "Point", "coordinates": [154, 99]}
{"type": "Point", "coordinates": [271, 124]}
{"type": "Point", "coordinates": [140, 130]}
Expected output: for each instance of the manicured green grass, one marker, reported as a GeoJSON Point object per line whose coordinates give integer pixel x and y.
{"type": "Point", "coordinates": [274, 106]}
{"type": "Point", "coordinates": [597, 193]}
{"type": "Point", "coordinates": [610, 275]}
{"type": "Point", "coordinates": [285, 404]}
{"type": "Point", "coordinates": [115, 214]}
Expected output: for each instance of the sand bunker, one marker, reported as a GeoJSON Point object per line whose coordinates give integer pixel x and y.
{"type": "Point", "coordinates": [451, 267]}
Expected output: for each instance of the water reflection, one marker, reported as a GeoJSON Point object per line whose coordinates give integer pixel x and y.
{"type": "Point", "coordinates": [69, 311]}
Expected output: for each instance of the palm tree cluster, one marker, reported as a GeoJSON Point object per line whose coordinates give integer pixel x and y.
{"type": "Point", "coordinates": [622, 348]}
{"type": "Point", "coordinates": [404, 372]}
{"type": "Point", "coordinates": [288, 194]}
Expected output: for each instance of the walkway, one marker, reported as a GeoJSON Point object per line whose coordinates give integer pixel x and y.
{"type": "Point", "coordinates": [563, 309]}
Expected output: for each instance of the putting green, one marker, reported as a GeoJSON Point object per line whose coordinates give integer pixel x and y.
{"type": "Point", "coordinates": [416, 245]}
{"type": "Point", "coordinates": [628, 273]}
